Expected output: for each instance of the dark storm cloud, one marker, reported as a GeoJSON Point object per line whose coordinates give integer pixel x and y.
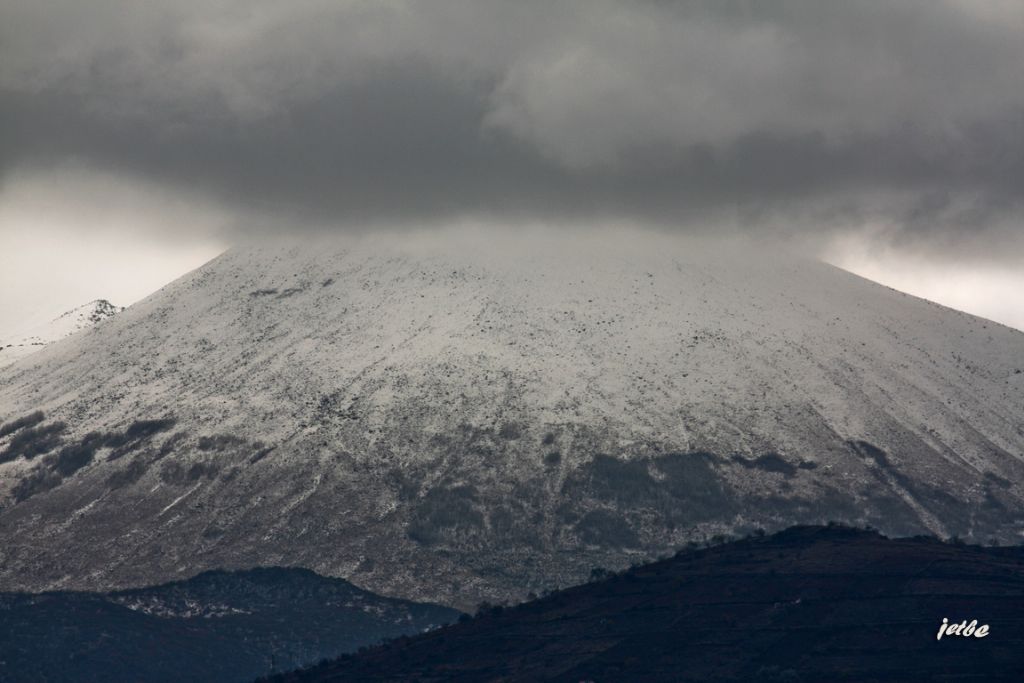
{"type": "Point", "coordinates": [796, 114]}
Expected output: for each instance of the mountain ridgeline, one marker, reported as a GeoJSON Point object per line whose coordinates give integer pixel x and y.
{"type": "Point", "coordinates": [467, 418]}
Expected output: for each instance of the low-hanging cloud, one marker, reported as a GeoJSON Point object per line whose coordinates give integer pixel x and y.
{"type": "Point", "coordinates": [797, 116]}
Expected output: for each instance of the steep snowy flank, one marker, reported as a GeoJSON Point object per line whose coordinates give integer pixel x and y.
{"type": "Point", "coordinates": [86, 315]}
{"type": "Point", "coordinates": [470, 417]}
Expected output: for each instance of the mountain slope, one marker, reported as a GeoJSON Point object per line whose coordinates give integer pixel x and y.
{"type": "Point", "coordinates": [809, 604]}
{"type": "Point", "coordinates": [86, 315]}
{"type": "Point", "coordinates": [457, 418]}
{"type": "Point", "coordinates": [218, 626]}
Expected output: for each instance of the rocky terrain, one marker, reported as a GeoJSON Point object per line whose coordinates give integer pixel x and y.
{"type": "Point", "coordinates": [459, 418]}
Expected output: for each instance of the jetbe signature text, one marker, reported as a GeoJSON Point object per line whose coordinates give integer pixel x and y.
{"type": "Point", "coordinates": [964, 628]}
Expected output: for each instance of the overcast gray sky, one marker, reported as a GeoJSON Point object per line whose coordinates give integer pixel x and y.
{"type": "Point", "coordinates": [886, 136]}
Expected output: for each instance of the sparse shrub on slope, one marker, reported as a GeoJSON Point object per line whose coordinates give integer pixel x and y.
{"type": "Point", "coordinates": [74, 457]}
{"type": "Point", "coordinates": [41, 479]}
{"type": "Point", "coordinates": [604, 528]}
{"type": "Point", "coordinates": [185, 473]}
{"type": "Point", "coordinates": [139, 431]}
{"type": "Point", "coordinates": [445, 512]}
{"type": "Point", "coordinates": [33, 441]}
{"type": "Point", "coordinates": [30, 420]}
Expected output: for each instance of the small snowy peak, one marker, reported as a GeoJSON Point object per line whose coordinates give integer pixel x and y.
{"type": "Point", "coordinates": [19, 345]}
{"type": "Point", "coordinates": [90, 313]}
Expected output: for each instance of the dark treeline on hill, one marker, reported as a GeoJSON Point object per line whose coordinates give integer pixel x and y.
{"type": "Point", "coordinates": [217, 626]}
{"type": "Point", "coordinates": [806, 604]}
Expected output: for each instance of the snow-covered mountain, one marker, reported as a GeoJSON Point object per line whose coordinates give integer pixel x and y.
{"type": "Point", "coordinates": [464, 417]}
{"type": "Point", "coordinates": [30, 341]}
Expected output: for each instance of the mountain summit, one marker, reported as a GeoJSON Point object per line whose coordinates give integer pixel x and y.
{"type": "Point", "coordinates": [480, 416]}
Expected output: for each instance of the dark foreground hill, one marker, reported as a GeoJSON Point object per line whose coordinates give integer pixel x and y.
{"type": "Point", "coordinates": [218, 626]}
{"type": "Point", "coordinates": [806, 604]}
